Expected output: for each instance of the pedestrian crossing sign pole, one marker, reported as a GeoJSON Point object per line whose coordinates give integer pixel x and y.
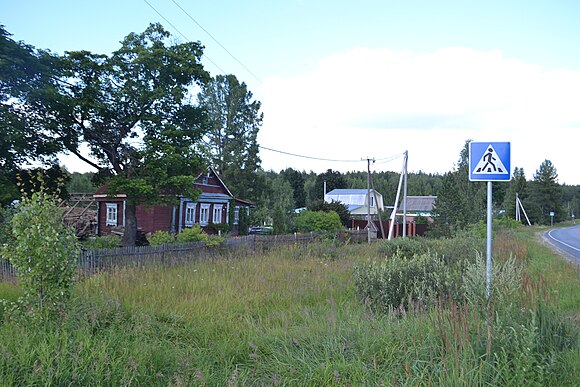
{"type": "Point", "coordinates": [489, 161]}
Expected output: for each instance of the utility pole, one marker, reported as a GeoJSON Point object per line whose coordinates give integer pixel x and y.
{"type": "Point", "coordinates": [378, 208]}
{"type": "Point", "coordinates": [394, 213]}
{"type": "Point", "coordinates": [518, 215]}
{"type": "Point", "coordinates": [405, 194]}
{"type": "Point", "coordinates": [369, 199]}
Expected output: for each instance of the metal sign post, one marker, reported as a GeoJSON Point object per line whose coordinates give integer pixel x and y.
{"type": "Point", "coordinates": [489, 161]}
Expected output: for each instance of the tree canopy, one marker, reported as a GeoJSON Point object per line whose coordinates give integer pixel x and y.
{"type": "Point", "coordinates": [25, 76]}
{"type": "Point", "coordinates": [133, 111]}
{"type": "Point", "coordinates": [545, 195]}
{"type": "Point", "coordinates": [234, 120]}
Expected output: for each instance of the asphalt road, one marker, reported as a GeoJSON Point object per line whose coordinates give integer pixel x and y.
{"type": "Point", "coordinates": [567, 241]}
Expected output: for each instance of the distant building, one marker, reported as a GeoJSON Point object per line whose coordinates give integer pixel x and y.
{"type": "Point", "coordinates": [418, 206]}
{"type": "Point", "coordinates": [356, 202]}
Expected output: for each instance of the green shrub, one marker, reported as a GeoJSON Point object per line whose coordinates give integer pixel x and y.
{"type": "Point", "coordinates": [506, 278]}
{"type": "Point", "coordinates": [456, 251]}
{"type": "Point", "coordinates": [401, 282]}
{"type": "Point", "coordinates": [192, 234]}
{"type": "Point", "coordinates": [161, 238]}
{"type": "Point", "coordinates": [44, 254]}
{"type": "Point", "coordinates": [196, 234]}
{"type": "Point", "coordinates": [308, 221]}
{"type": "Point", "coordinates": [407, 247]}
{"type": "Point", "coordinates": [102, 242]}
{"type": "Point", "coordinates": [479, 229]}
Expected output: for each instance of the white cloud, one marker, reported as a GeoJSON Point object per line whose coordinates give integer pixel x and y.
{"type": "Point", "coordinates": [379, 102]}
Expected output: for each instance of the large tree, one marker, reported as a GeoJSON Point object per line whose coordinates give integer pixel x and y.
{"type": "Point", "coordinates": [25, 76]}
{"type": "Point", "coordinates": [333, 179]}
{"type": "Point", "coordinates": [234, 121]}
{"type": "Point", "coordinates": [545, 195]}
{"type": "Point", "coordinates": [296, 181]}
{"type": "Point", "coordinates": [133, 110]}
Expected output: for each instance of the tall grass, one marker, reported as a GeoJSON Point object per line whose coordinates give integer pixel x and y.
{"type": "Point", "coordinates": [290, 317]}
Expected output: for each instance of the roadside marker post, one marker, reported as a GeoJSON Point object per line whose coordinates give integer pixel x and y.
{"type": "Point", "coordinates": [489, 161]}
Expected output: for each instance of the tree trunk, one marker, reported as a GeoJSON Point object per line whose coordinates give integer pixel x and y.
{"type": "Point", "coordinates": [130, 233]}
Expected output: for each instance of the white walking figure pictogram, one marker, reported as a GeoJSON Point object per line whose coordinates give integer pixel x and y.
{"type": "Point", "coordinates": [489, 162]}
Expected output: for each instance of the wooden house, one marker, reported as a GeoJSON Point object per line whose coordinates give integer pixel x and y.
{"type": "Point", "coordinates": [209, 211]}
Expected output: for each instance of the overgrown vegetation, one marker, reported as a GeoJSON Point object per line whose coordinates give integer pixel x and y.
{"type": "Point", "coordinates": [43, 253]}
{"type": "Point", "coordinates": [293, 317]}
{"type": "Point", "coordinates": [189, 234]}
{"type": "Point", "coordinates": [308, 221]}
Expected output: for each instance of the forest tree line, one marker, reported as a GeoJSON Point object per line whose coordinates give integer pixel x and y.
{"type": "Point", "coordinates": [459, 201]}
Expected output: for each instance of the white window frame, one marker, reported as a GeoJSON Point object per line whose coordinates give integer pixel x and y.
{"type": "Point", "coordinates": [112, 214]}
{"type": "Point", "coordinates": [236, 214]}
{"type": "Point", "coordinates": [372, 199]}
{"type": "Point", "coordinates": [218, 210]}
{"type": "Point", "coordinates": [204, 214]}
{"type": "Point", "coordinates": [190, 208]}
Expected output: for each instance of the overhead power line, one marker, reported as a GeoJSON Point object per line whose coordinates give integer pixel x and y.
{"type": "Point", "coordinates": [182, 35]}
{"type": "Point", "coordinates": [308, 157]}
{"type": "Point", "coordinates": [215, 40]}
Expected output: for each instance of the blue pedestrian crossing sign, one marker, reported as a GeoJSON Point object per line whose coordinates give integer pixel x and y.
{"type": "Point", "coordinates": [489, 161]}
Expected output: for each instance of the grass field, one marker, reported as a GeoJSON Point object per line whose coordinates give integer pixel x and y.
{"type": "Point", "coordinates": [292, 317]}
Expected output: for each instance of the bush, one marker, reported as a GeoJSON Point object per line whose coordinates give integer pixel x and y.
{"type": "Point", "coordinates": [44, 254]}
{"type": "Point", "coordinates": [336, 206]}
{"type": "Point", "coordinates": [403, 283]}
{"type": "Point", "coordinates": [459, 250]}
{"type": "Point", "coordinates": [103, 242]}
{"type": "Point", "coordinates": [161, 238]}
{"type": "Point", "coordinates": [196, 234]}
{"type": "Point", "coordinates": [407, 247]}
{"type": "Point", "coordinates": [308, 221]}
{"type": "Point", "coordinates": [506, 279]}
{"type": "Point", "coordinates": [191, 234]}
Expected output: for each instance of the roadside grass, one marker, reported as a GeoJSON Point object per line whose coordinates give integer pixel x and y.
{"type": "Point", "coordinates": [292, 317]}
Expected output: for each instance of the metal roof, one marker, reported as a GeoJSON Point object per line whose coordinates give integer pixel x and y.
{"type": "Point", "coordinates": [350, 196]}
{"type": "Point", "coordinates": [349, 191]}
{"type": "Point", "coordinates": [420, 203]}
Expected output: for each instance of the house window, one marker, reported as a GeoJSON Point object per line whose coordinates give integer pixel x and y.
{"type": "Point", "coordinates": [204, 214]}
{"type": "Point", "coordinates": [189, 214]}
{"type": "Point", "coordinates": [111, 219]}
{"type": "Point", "coordinates": [237, 215]}
{"type": "Point", "coordinates": [372, 201]}
{"type": "Point", "coordinates": [217, 213]}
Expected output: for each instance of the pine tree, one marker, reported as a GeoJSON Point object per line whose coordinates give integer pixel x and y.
{"type": "Point", "coordinates": [545, 195]}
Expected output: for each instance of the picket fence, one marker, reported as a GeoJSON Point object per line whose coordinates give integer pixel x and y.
{"type": "Point", "coordinates": [104, 259]}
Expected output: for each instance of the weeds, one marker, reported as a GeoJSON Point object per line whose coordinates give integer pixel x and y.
{"type": "Point", "coordinates": [292, 317]}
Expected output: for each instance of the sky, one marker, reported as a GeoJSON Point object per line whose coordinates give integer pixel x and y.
{"type": "Point", "coordinates": [346, 81]}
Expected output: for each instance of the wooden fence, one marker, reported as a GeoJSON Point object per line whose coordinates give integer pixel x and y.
{"type": "Point", "coordinates": [96, 260]}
